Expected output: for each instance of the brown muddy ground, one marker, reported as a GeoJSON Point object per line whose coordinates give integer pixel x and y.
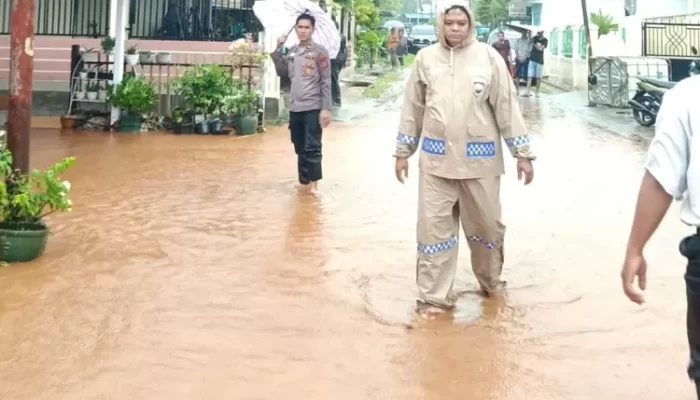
{"type": "Point", "coordinates": [191, 269]}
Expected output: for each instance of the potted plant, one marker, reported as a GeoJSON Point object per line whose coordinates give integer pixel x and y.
{"type": "Point", "coordinates": [146, 57]}
{"type": "Point", "coordinates": [204, 89]}
{"type": "Point", "coordinates": [25, 200]}
{"type": "Point", "coordinates": [182, 123]}
{"type": "Point", "coordinates": [132, 56]}
{"type": "Point", "coordinates": [92, 89]}
{"type": "Point", "coordinates": [68, 121]}
{"type": "Point", "coordinates": [108, 44]}
{"type": "Point", "coordinates": [79, 94]}
{"type": "Point", "coordinates": [135, 97]}
{"type": "Point", "coordinates": [102, 92]}
{"type": "Point", "coordinates": [164, 58]}
{"type": "Point", "coordinates": [83, 74]}
{"type": "Point", "coordinates": [248, 108]}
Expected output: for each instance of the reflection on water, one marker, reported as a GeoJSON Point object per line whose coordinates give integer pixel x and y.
{"type": "Point", "coordinates": [192, 269]}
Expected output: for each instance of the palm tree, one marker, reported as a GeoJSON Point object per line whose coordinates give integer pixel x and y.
{"type": "Point", "coordinates": [604, 22]}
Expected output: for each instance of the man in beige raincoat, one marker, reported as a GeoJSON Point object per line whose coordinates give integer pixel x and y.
{"type": "Point", "coordinates": [461, 100]}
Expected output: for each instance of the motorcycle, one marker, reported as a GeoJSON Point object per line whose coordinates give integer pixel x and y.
{"type": "Point", "coordinates": [647, 101]}
{"type": "Point", "coordinates": [694, 65]}
{"type": "Point", "coordinates": [650, 92]}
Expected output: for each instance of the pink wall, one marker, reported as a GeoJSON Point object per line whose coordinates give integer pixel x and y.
{"type": "Point", "coordinates": [52, 53]}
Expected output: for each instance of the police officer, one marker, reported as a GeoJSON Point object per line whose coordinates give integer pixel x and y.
{"type": "Point", "coordinates": [672, 172]}
{"type": "Point", "coordinates": [309, 68]}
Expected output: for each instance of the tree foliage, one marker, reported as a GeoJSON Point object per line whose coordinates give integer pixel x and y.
{"type": "Point", "coordinates": [605, 23]}
{"type": "Point", "coordinates": [491, 12]}
{"type": "Point", "coordinates": [366, 14]}
{"type": "Point", "coordinates": [389, 5]}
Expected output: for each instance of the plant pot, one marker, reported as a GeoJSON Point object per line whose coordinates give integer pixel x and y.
{"type": "Point", "coordinates": [90, 56]}
{"type": "Point", "coordinates": [68, 122]}
{"type": "Point", "coordinates": [22, 242]}
{"type": "Point", "coordinates": [183, 128]}
{"type": "Point", "coordinates": [248, 125]}
{"type": "Point", "coordinates": [202, 128]}
{"type": "Point", "coordinates": [132, 59]}
{"type": "Point", "coordinates": [102, 95]}
{"type": "Point", "coordinates": [130, 123]}
{"type": "Point", "coordinates": [164, 58]}
{"type": "Point", "coordinates": [92, 96]}
{"type": "Point", "coordinates": [80, 95]}
{"type": "Point", "coordinates": [82, 74]}
{"type": "Point", "coordinates": [146, 58]}
{"type": "Point", "coordinates": [216, 127]}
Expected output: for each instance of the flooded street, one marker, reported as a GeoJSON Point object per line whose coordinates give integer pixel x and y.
{"type": "Point", "coordinates": [191, 269]}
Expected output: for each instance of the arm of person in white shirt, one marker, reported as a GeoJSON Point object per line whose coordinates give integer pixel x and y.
{"type": "Point", "coordinates": [666, 168]}
{"type": "Point", "coordinates": [664, 179]}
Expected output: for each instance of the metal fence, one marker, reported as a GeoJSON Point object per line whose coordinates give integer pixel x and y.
{"type": "Point", "coordinates": [64, 17]}
{"type": "Point", "coordinates": [670, 39]}
{"type": "Point", "coordinates": [202, 20]}
{"type": "Point", "coordinates": [192, 20]}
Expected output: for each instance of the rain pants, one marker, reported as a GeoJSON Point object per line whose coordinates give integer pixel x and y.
{"type": "Point", "coordinates": [460, 101]}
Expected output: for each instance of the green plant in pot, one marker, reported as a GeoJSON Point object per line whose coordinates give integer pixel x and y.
{"type": "Point", "coordinates": [25, 200]}
{"type": "Point", "coordinates": [108, 44]}
{"type": "Point", "coordinates": [135, 97]}
{"type": "Point", "coordinates": [204, 89]}
{"type": "Point", "coordinates": [247, 101]}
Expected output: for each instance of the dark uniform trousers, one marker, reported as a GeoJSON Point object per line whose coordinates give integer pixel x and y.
{"type": "Point", "coordinates": [690, 248]}
{"type": "Point", "coordinates": [335, 82]}
{"type": "Point", "coordinates": [305, 128]}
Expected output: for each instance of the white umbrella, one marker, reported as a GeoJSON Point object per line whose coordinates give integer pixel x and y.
{"type": "Point", "coordinates": [278, 17]}
{"type": "Point", "coordinates": [393, 24]}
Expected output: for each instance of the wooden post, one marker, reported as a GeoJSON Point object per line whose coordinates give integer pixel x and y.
{"type": "Point", "coordinates": [19, 115]}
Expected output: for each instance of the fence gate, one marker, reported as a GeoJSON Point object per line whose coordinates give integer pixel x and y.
{"type": "Point", "coordinates": [670, 39]}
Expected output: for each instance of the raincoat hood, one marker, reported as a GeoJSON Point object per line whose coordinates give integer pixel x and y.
{"type": "Point", "coordinates": [470, 38]}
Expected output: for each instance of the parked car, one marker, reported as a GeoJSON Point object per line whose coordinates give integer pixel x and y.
{"type": "Point", "coordinates": [421, 36]}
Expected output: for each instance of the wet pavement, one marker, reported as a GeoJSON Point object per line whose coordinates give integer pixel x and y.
{"type": "Point", "coordinates": [191, 269]}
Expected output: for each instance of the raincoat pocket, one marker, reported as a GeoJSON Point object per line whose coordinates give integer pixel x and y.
{"type": "Point", "coordinates": [480, 87]}
{"type": "Point", "coordinates": [482, 142]}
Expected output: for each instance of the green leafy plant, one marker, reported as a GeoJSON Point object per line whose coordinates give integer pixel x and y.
{"type": "Point", "coordinates": [247, 101]}
{"type": "Point", "coordinates": [491, 12]}
{"type": "Point", "coordinates": [132, 50]}
{"type": "Point", "coordinates": [135, 96]}
{"type": "Point", "coordinates": [204, 88]}
{"type": "Point", "coordinates": [28, 198]}
{"type": "Point", "coordinates": [108, 44]}
{"type": "Point", "coordinates": [93, 87]}
{"type": "Point", "coordinates": [605, 23]}
{"type": "Point", "coordinates": [368, 45]}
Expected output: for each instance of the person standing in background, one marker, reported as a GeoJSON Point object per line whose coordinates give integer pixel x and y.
{"type": "Point", "coordinates": [502, 46]}
{"type": "Point", "coordinates": [402, 48]}
{"type": "Point", "coordinates": [392, 45]}
{"type": "Point", "coordinates": [535, 67]}
{"type": "Point", "coordinates": [523, 48]}
{"type": "Point", "coordinates": [337, 65]}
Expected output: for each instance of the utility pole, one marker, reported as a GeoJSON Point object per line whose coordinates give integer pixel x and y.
{"type": "Point", "coordinates": [21, 70]}
{"type": "Point", "coordinates": [584, 9]}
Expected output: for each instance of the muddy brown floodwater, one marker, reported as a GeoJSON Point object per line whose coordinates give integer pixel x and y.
{"type": "Point", "coordinates": [191, 269]}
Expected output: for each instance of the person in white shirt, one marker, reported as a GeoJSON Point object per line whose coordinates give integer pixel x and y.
{"type": "Point", "coordinates": [672, 172]}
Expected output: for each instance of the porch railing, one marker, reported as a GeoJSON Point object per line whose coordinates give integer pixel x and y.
{"type": "Point", "coordinates": [190, 20]}
{"type": "Point", "coordinates": [162, 76]}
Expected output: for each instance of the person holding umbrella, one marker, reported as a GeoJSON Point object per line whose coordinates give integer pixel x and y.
{"type": "Point", "coordinates": [308, 66]}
